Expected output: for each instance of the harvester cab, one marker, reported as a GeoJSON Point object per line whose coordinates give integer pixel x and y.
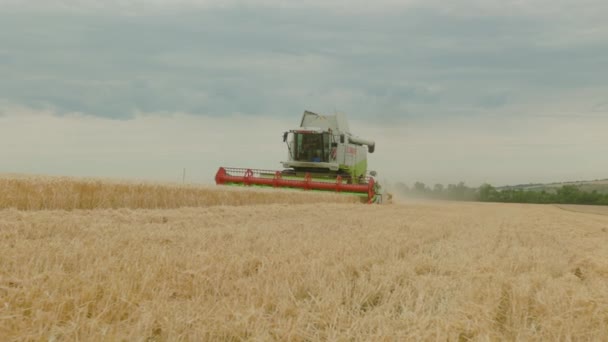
{"type": "Point", "coordinates": [324, 146]}
{"type": "Point", "coordinates": [322, 154]}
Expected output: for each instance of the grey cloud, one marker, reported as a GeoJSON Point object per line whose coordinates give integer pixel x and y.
{"type": "Point", "coordinates": [494, 99]}
{"type": "Point", "coordinates": [270, 60]}
{"type": "Point", "coordinates": [601, 107]}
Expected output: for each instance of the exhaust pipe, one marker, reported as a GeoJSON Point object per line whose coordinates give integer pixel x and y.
{"type": "Point", "coordinates": [371, 145]}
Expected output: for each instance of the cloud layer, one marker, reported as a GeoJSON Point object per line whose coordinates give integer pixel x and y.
{"type": "Point", "coordinates": [266, 58]}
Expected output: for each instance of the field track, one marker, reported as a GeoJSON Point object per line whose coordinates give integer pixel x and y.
{"type": "Point", "coordinates": [415, 271]}
{"type": "Point", "coordinates": [589, 209]}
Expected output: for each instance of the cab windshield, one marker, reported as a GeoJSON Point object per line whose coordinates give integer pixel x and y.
{"type": "Point", "coordinates": [312, 147]}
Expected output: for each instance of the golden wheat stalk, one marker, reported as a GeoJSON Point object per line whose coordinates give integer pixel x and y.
{"type": "Point", "coordinates": [61, 193]}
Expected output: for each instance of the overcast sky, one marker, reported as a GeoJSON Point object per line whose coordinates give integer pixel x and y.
{"type": "Point", "coordinates": [474, 90]}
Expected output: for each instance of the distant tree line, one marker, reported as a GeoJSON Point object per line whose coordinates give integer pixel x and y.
{"type": "Point", "coordinates": [567, 194]}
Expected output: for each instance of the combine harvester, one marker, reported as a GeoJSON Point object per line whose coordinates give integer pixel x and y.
{"type": "Point", "coordinates": [322, 155]}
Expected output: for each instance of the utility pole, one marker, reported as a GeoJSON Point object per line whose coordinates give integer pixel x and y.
{"type": "Point", "coordinates": [184, 176]}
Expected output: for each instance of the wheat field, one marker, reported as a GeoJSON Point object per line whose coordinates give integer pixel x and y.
{"type": "Point", "coordinates": [66, 193]}
{"type": "Point", "coordinates": [299, 271]}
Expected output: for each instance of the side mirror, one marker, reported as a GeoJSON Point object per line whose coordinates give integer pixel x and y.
{"type": "Point", "coordinates": [371, 148]}
{"type": "Point", "coordinates": [285, 136]}
{"type": "Point", "coordinates": [342, 139]}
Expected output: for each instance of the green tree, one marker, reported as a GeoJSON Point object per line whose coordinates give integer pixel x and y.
{"type": "Point", "coordinates": [487, 193]}
{"type": "Point", "coordinates": [420, 188]}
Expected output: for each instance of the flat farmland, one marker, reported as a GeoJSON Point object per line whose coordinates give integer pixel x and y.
{"type": "Point", "coordinates": [302, 271]}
